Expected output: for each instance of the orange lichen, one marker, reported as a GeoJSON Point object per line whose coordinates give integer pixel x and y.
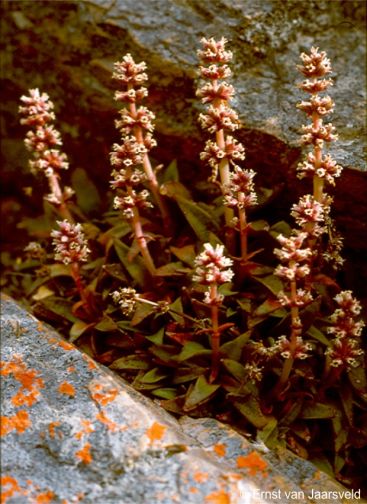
{"type": "Point", "coordinates": [19, 422]}
{"type": "Point", "coordinates": [40, 326]}
{"type": "Point", "coordinates": [67, 389]}
{"type": "Point", "coordinates": [45, 497]}
{"type": "Point", "coordinates": [65, 345]}
{"type": "Point", "coordinates": [193, 490]}
{"type": "Point", "coordinates": [51, 428]}
{"type": "Point", "coordinates": [253, 462]}
{"type": "Point", "coordinates": [71, 369]}
{"type": "Point", "coordinates": [111, 425]}
{"type": "Point", "coordinates": [200, 477]}
{"type": "Point", "coordinates": [28, 378]}
{"type": "Point", "coordinates": [156, 431]}
{"type": "Point", "coordinates": [91, 364]}
{"type": "Point", "coordinates": [104, 394]}
{"type": "Point", "coordinates": [9, 486]}
{"type": "Point", "coordinates": [84, 454]}
{"type": "Point", "coordinates": [87, 429]}
{"type": "Point", "coordinates": [6, 425]}
{"type": "Point", "coordinates": [220, 449]}
{"type": "Point", "coordinates": [220, 497]}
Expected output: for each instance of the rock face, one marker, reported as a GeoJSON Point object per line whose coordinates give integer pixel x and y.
{"type": "Point", "coordinates": [74, 432]}
{"type": "Point", "coordinates": [68, 49]}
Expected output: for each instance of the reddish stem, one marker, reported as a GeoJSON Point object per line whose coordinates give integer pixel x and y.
{"type": "Point", "coordinates": [215, 336]}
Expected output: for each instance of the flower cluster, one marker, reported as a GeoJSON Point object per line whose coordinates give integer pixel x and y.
{"type": "Point", "coordinates": [126, 299]}
{"type": "Point", "coordinates": [309, 215]}
{"type": "Point", "coordinates": [315, 67]}
{"type": "Point", "coordinates": [43, 141]}
{"type": "Point", "coordinates": [240, 192]}
{"type": "Point", "coordinates": [345, 347]}
{"type": "Point", "coordinates": [284, 347]}
{"type": "Point", "coordinates": [135, 126]}
{"type": "Point", "coordinates": [294, 256]}
{"type": "Point", "coordinates": [69, 243]}
{"type": "Point", "coordinates": [219, 117]}
{"type": "Point", "coordinates": [212, 268]}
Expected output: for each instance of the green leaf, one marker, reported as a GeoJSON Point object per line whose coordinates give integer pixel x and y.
{"type": "Point", "coordinates": [165, 393]}
{"type": "Point", "coordinates": [61, 307]}
{"type": "Point", "coordinates": [115, 271]}
{"type": "Point", "coordinates": [43, 292]}
{"type": "Point", "coordinates": [293, 412]}
{"type": "Point", "coordinates": [177, 307]}
{"type": "Point", "coordinates": [259, 225]}
{"type": "Point", "coordinates": [233, 349]}
{"type": "Point", "coordinates": [142, 311]}
{"type": "Point", "coordinates": [59, 270]}
{"type": "Point", "coordinates": [323, 464]}
{"type": "Point", "coordinates": [199, 218]}
{"type": "Point", "coordinates": [200, 393]}
{"type": "Point", "coordinates": [172, 189]}
{"type": "Point", "coordinates": [269, 434]}
{"type": "Point", "coordinates": [171, 269]}
{"type": "Point", "coordinates": [318, 335]}
{"type": "Point", "coordinates": [165, 353]}
{"type": "Point", "coordinates": [340, 434]}
{"type": "Point", "coordinates": [135, 268]}
{"type": "Point", "coordinates": [250, 409]}
{"type": "Point", "coordinates": [153, 376]}
{"type": "Point", "coordinates": [281, 227]}
{"type": "Point", "coordinates": [130, 362]}
{"type": "Point", "coordinates": [184, 375]}
{"type": "Point", "coordinates": [106, 325]}
{"type": "Point", "coordinates": [270, 306]}
{"type": "Point", "coordinates": [318, 410]}
{"type": "Point", "coordinates": [358, 379]}
{"type": "Point", "coordinates": [236, 369]}
{"type": "Point", "coordinates": [271, 282]}
{"type": "Point", "coordinates": [186, 254]}
{"type": "Point", "coordinates": [157, 337]}
{"type": "Point", "coordinates": [78, 328]}
{"type": "Point", "coordinates": [192, 349]}
{"type": "Point", "coordinates": [86, 192]}
{"type": "Point", "coordinates": [171, 173]}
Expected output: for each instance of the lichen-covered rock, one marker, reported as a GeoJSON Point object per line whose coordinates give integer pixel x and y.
{"type": "Point", "coordinates": [74, 432]}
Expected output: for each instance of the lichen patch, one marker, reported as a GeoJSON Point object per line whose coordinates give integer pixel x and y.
{"type": "Point", "coordinates": [253, 462]}
{"type": "Point", "coordinates": [66, 388]}
{"type": "Point", "coordinates": [156, 432]}
{"type": "Point", "coordinates": [84, 454]}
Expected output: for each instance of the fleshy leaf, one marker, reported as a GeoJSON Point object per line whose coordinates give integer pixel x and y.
{"type": "Point", "coordinates": [186, 254]}
{"type": "Point", "coordinates": [233, 349]}
{"type": "Point", "coordinates": [165, 393]}
{"type": "Point", "coordinates": [130, 362]}
{"type": "Point", "coordinates": [318, 410]}
{"type": "Point", "coordinates": [78, 328]}
{"type": "Point", "coordinates": [106, 325]}
{"type": "Point", "coordinates": [153, 376]}
{"type": "Point", "coordinates": [200, 393]}
{"type": "Point", "coordinates": [317, 335]}
{"type": "Point", "coordinates": [250, 409]}
{"type": "Point", "coordinates": [135, 268]}
{"type": "Point", "coordinates": [235, 368]}
{"type": "Point", "coordinates": [86, 192]}
{"type": "Point", "coordinates": [192, 349]}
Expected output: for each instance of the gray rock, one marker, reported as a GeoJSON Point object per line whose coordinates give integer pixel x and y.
{"type": "Point", "coordinates": [72, 431]}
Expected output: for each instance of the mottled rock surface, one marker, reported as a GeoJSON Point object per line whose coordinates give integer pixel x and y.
{"type": "Point", "coordinates": [74, 432]}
